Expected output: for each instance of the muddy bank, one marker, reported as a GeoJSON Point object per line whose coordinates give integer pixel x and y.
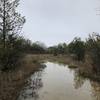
{"type": "Point", "coordinates": [12, 82]}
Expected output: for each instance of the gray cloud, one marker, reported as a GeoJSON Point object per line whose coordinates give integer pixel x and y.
{"type": "Point", "coordinates": [54, 21]}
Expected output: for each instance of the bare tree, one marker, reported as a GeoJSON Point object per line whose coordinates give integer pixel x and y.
{"type": "Point", "coordinates": [11, 21]}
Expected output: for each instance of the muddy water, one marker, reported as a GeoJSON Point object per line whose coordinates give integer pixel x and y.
{"type": "Point", "coordinates": [58, 82]}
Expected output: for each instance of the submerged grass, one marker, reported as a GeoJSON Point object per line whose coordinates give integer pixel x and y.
{"type": "Point", "coordinates": [12, 82]}
{"type": "Point", "coordinates": [73, 66]}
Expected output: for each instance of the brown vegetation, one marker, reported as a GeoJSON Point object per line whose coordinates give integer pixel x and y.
{"type": "Point", "coordinates": [12, 82]}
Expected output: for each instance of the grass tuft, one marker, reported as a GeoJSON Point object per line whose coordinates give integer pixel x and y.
{"type": "Point", "coordinates": [73, 66]}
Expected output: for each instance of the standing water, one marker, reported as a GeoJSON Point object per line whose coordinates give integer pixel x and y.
{"type": "Point", "coordinates": [58, 82]}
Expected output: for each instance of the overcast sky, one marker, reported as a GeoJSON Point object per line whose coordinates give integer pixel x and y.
{"type": "Point", "coordinates": [54, 21]}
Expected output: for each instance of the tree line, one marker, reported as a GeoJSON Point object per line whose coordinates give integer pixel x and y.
{"type": "Point", "coordinates": [81, 50]}
{"type": "Point", "coordinates": [13, 46]}
{"type": "Point", "coordinates": [78, 49]}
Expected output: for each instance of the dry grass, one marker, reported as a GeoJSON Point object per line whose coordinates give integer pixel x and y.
{"type": "Point", "coordinates": [12, 82]}
{"type": "Point", "coordinates": [73, 66]}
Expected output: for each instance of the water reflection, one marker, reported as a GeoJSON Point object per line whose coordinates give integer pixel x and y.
{"type": "Point", "coordinates": [59, 83]}
{"type": "Point", "coordinates": [95, 90]}
{"type": "Point", "coordinates": [79, 81]}
{"type": "Point", "coordinates": [32, 87]}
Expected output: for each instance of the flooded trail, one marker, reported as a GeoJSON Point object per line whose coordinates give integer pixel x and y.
{"type": "Point", "coordinates": [58, 82]}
